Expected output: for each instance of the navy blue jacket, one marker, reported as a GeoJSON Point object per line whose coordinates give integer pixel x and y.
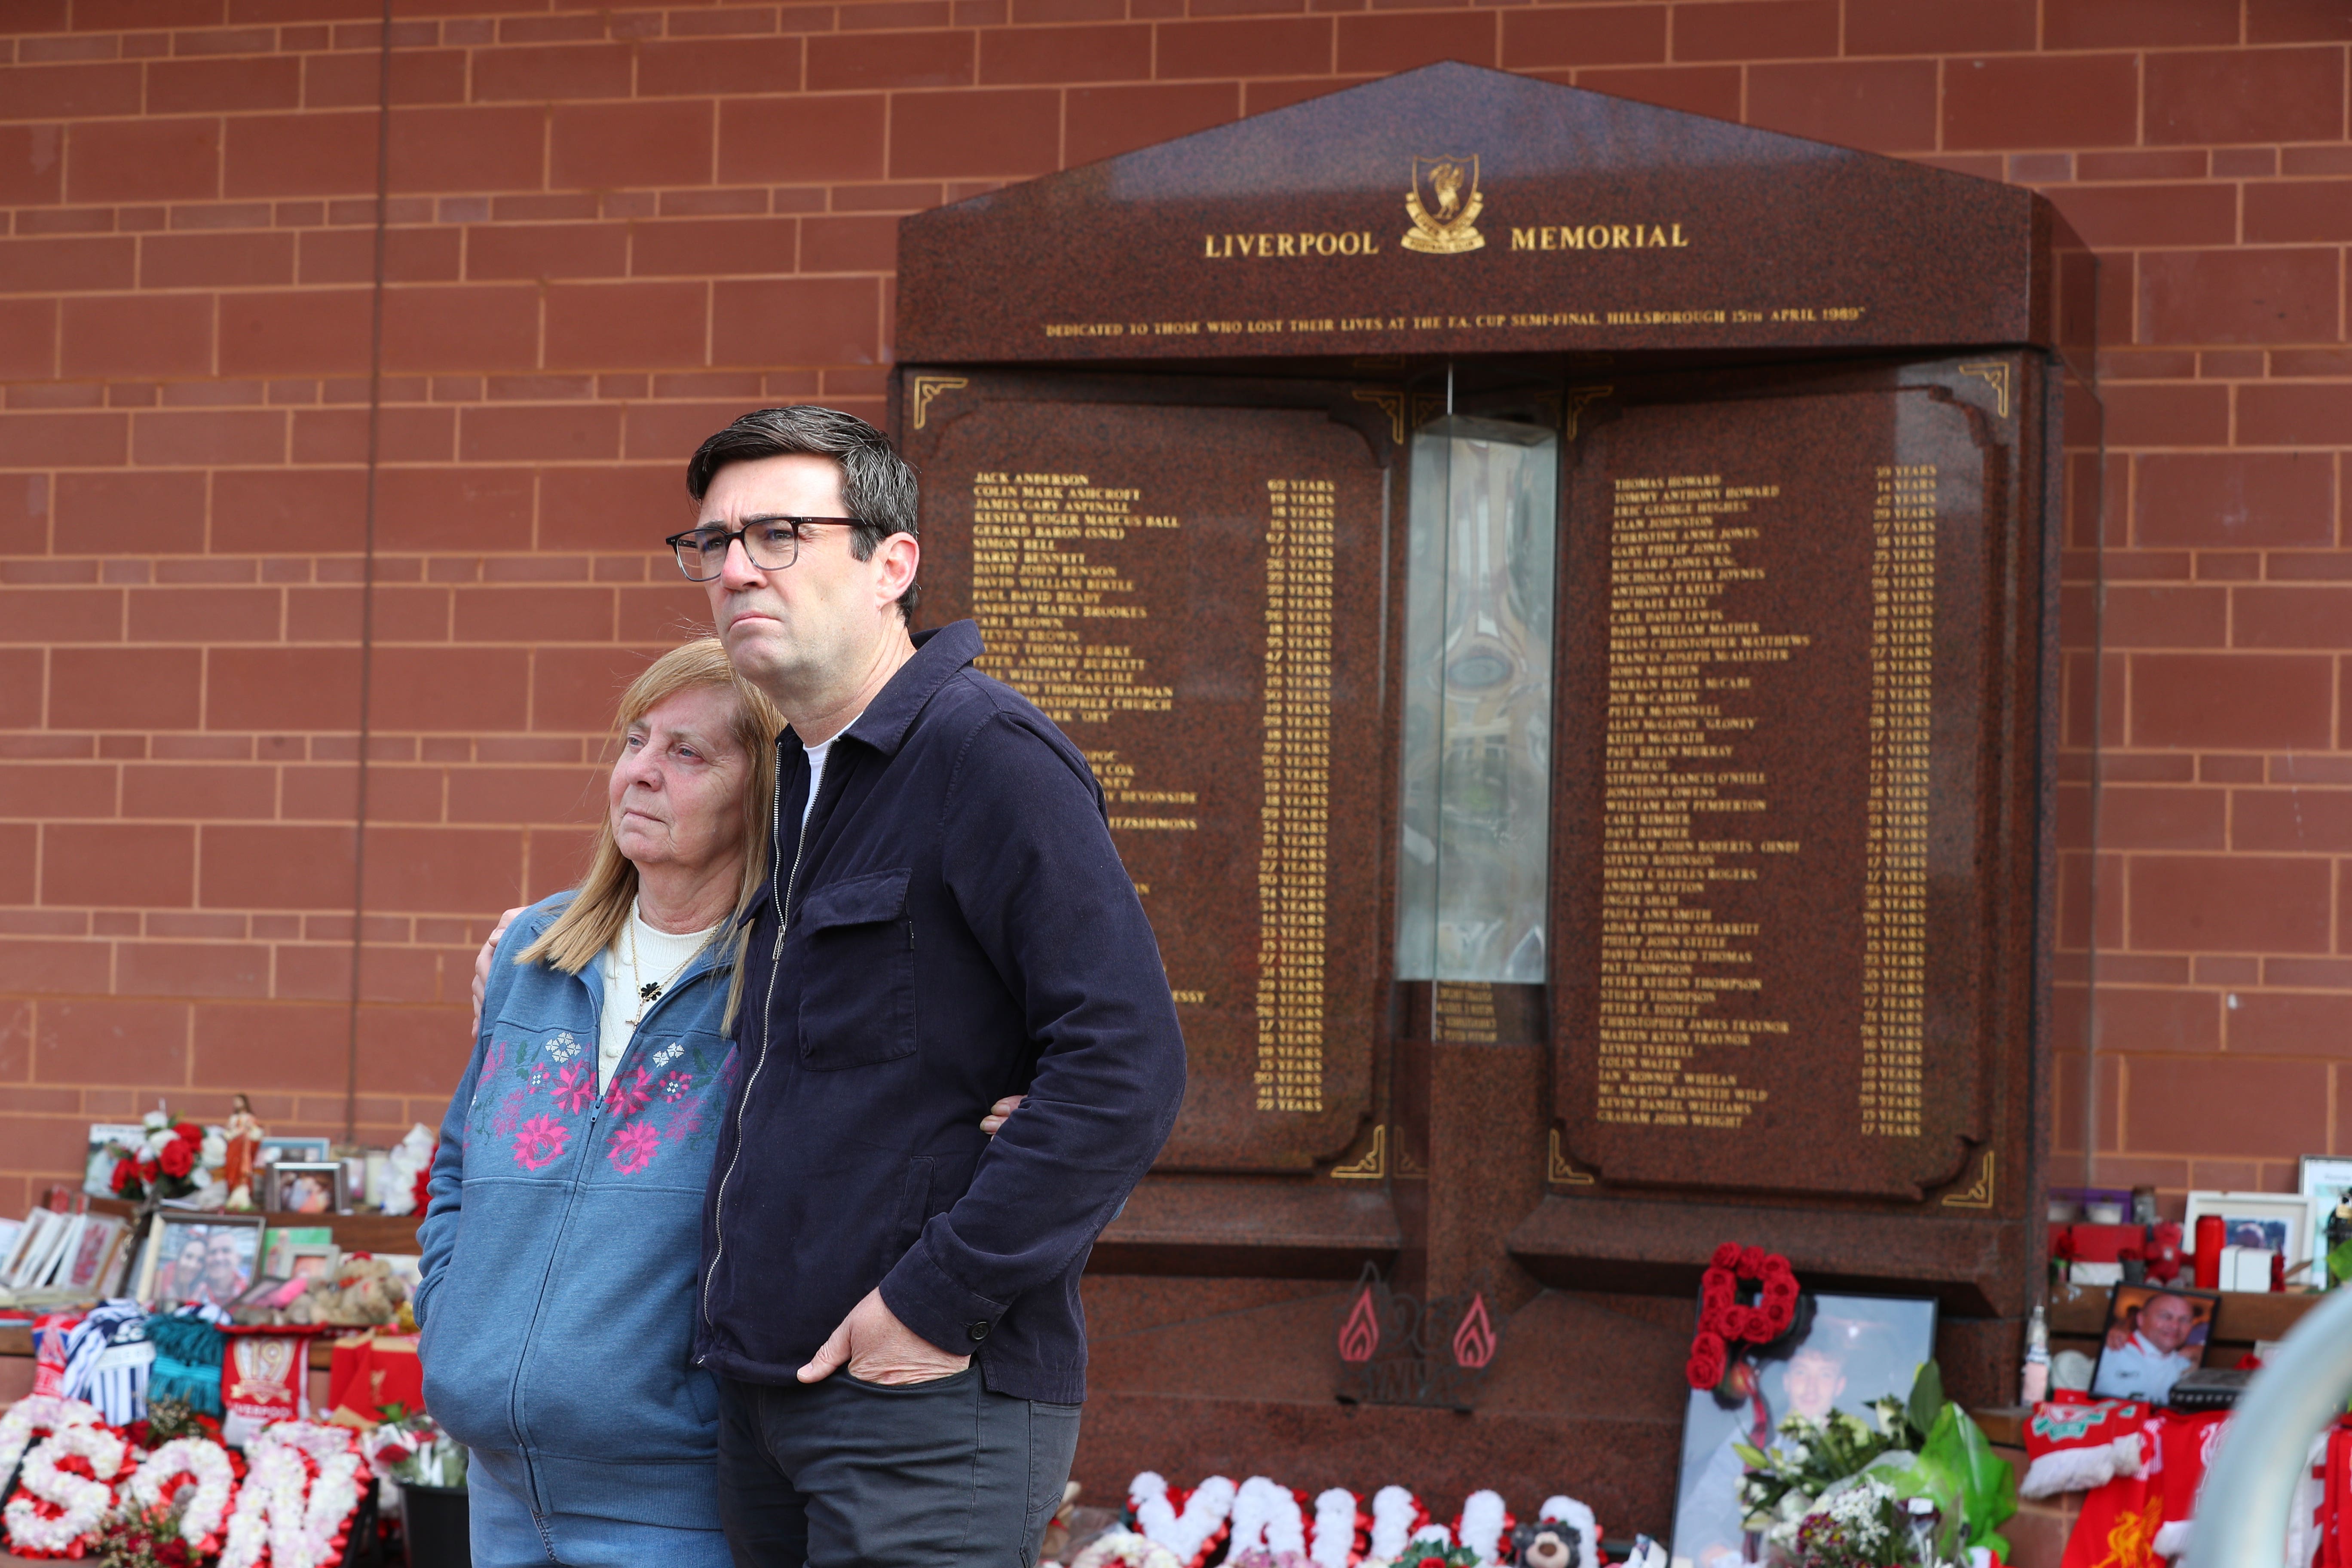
{"type": "Point", "coordinates": [955, 926]}
{"type": "Point", "coordinates": [559, 1273]}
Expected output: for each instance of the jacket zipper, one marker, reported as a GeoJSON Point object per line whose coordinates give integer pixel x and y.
{"type": "Point", "coordinates": [782, 899]}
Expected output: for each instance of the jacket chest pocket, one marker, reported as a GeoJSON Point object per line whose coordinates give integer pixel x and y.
{"type": "Point", "coordinates": [857, 973]}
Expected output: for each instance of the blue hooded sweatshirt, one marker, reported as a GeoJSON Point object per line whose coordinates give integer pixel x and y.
{"type": "Point", "coordinates": [557, 1299]}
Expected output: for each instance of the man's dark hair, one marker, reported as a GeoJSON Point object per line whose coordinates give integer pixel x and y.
{"type": "Point", "coordinates": [876, 483]}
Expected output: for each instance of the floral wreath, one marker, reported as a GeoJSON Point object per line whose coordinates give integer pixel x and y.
{"type": "Point", "coordinates": [298, 1500]}
{"type": "Point", "coordinates": [36, 1414]}
{"type": "Point", "coordinates": [157, 1480]}
{"type": "Point", "coordinates": [64, 1490]}
{"type": "Point", "coordinates": [1732, 1334]}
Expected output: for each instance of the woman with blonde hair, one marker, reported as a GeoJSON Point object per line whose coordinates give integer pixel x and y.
{"type": "Point", "coordinates": [560, 1244]}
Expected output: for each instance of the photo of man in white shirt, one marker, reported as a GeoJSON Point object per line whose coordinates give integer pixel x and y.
{"type": "Point", "coordinates": [2143, 1360]}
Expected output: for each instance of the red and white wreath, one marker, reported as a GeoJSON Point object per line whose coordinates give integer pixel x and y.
{"type": "Point", "coordinates": [211, 1483]}
{"type": "Point", "coordinates": [295, 1509]}
{"type": "Point", "coordinates": [65, 1490]}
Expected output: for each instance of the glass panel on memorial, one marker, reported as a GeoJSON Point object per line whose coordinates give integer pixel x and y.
{"type": "Point", "coordinates": [1476, 791]}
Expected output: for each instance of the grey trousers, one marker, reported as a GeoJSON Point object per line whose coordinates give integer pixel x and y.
{"type": "Point", "coordinates": [844, 1474]}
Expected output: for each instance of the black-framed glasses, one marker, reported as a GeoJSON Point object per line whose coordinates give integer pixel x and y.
{"type": "Point", "coordinates": [772, 542]}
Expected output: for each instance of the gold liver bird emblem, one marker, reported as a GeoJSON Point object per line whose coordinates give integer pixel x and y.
{"type": "Point", "coordinates": [1443, 205]}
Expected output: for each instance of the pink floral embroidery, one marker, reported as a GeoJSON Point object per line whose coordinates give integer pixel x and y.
{"type": "Point", "coordinates": [508, 1113]}
{"type": "Point", "coordinates": [538, 1141]}
{"type": "Point", "coordinates": [575, 1086]}
{"type": "Point", "coordinates": [675, 1084]}
{"type": "Point", "coordinates": [633, 1148]}
{"type": "Point", "coordinates": [629, 1095]}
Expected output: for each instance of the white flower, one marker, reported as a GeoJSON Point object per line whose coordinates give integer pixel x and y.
{"type": "Point", "coordinates": [158, 1142]}
{"type": "Point", "coordinates": [214, 1152]}
{"type": "Point", "coordinates": [154, 1119]}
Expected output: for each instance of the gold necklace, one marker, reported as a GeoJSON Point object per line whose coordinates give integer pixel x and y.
{"type": "Point", "coordinates": [648, 994]}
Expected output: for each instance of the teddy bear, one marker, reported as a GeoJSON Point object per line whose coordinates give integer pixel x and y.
{"type": "Point", "coordinates": [1547, 1543]}
{"type": "Point", "coordinates": [363, 1292]}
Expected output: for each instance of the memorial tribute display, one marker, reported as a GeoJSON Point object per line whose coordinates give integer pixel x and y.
{"type": "Point", "coordinates": [1560, 598]}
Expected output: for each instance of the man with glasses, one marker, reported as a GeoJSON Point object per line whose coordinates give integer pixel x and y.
{"type": "Point", "coordinates": [890, 1298]}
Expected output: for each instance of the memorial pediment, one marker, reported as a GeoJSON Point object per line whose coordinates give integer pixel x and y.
{"type": "Point", "coordinates": [1459, 210]}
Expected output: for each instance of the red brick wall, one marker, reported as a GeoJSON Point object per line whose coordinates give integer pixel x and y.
{"type": "Point", "coordinates": [610, 228]}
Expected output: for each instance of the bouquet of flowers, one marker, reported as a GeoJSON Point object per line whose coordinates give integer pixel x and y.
{"type": "Point", "coordinates": [173, 1159]}
{"type": "Point", "coordinates": [1914, 1491]}
{"type": "Point", "coordinates": [410, 1447]}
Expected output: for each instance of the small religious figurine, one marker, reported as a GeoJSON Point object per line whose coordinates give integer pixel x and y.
{"type": "Point", "coordinates": [244, 1134]}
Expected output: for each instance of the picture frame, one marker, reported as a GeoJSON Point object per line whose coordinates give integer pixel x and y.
{"type": "Point", "coordinates": [90, 1257]}
{"type": "Point", "coordinates": [2277, 1222]}
{"type": "Point", "coordinates": [2323, 1179]}
{"type": "Point", "coordinates": [273, 1150]}
{"type": "Point", "coordinates": [305, 1188]}
{"type": "Point", "coordinates": [189, 1259]}
{"type": "Point", "coordinates": [285, 1245]}
{"type": "Point", "coordinates": [1857, 1349]}
{"type": "Point", "coordinates": [2148, 1343]}
{"type": "Point", "coordinates": [20, 1245]}
{"type": "Point", "coordinates": [36, 1248]}
{"type": "Point", "coordinates": [106, 1138]}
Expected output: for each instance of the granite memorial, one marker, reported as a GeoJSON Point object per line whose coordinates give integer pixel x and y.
{"type": "Point", "coordinates": [1560, 595]}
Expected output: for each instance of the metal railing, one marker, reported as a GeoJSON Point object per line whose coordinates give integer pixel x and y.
{"type": "Point", "coordinates": [2241, 1513]}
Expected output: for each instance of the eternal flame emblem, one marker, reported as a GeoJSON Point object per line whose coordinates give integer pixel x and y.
{"type": "Point", "coordinates": [1443, 205]}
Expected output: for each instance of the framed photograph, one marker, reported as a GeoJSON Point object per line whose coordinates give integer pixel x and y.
{"type": "Point", "coordinates": [37, 1249]}
{"type": "Point", "coordinates": [2325, 1179]}
{"type": "Point", "coordinates": [2325, 1176]}
{"type": "Point", "coordinates": [21, 1247]}
{"type": "Point", "coordinates": [273, 1150]}
{"type": "Point", "coordinates": [2154, 1334]}
{"type": "Point", "coordinates": [91, 1258]}
{"type": "Point", "coordinates": [306, 1186]}
{"type": "Point", "coordinates": [2267, 1222]}
{"type": "Point", "coordinates": [1858, 1348]}
{"type": "Point", "coordinates": [107, 1139]}
{"type": "Point", "coordinates": [287, 1242]}
{"type": "Point", "coordinates": [199, 1262]}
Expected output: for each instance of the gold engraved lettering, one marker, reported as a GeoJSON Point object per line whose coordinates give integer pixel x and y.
{"type": "Point", "coordinates": [1599, 236]}
{"type": "Point", "coordinates": [1464, 1012]}
{"type": "Point", "coordinates": [1294, 854]}
{"type": "Point", "coordinates": [1675, 790]}
{"type": "Point", "coordinates": [1895, 876]}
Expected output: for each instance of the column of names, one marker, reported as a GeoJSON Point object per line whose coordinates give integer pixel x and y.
{"type": "Point", "coordinates": [1033, 593]}
{"type": "Point", "coordinates": [1895, 896]}
{"type": "Point", "coordinates": [1293, 871]}
{"type": "Point", "coordinates": [1675, 795]}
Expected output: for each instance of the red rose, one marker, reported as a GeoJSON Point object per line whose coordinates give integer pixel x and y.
{"type": "Point", "coordinates": [126, 1170]}
{"type": "Point", "coordinates": [178, 1158]}
{"type": "Point", "coordinates": [1780, 1288]}
{"type": "Point", "coordinates": [1718, 1282]}
{"type": "Point", "coordinates": [1751, 1263]}
{"type": "Point", "coordinates": [189, 1132]}
{"type": "Point", "coordinates": [1776, 1268]}
{"type": "Point", "coordinates": [147, 1167]}
{"type": "Point", "coordinates": [1727, 1255]}
{"type": "Point", "coordinates": [1431, 1563]}
{"type": "Point", "coordinates": [1780, 1314]}
{"type": "Point", "coordinates": [1704, 1368]}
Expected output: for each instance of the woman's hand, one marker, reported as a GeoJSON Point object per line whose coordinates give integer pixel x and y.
{"type": "Point", "coordinates": [482, 964]}
{"type": "Point", "coordinates": [992, 1123]}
